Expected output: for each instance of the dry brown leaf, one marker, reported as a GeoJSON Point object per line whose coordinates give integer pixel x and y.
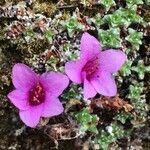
{"type": "Point", "coordinates": [111, 103]}
{"type": "Point", "coordinates": [62, 131]}
{"type": "Point", "coordinates": [128, 107]}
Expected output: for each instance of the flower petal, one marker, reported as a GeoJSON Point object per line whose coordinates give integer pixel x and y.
{"type": "Point", "coordinates": [31, 117]}
{"type": "Point", "coordinates": [89, 90]}
{"type": "Point", "coordinates": [52, 106]}
{"type": "Point", "coordinates": [104, 84]}
{"type": "Point", "coordinates": [73, 70]}
{"type": "Point", "coordinates": [55, 83]}
{"type": "Point", "coordinates": [19, 99]}
{"type": "Point", "coordinates": [112, 60]}
{"type": "Point", "coordinates": [89, 46]}
{"type": "Point", "coordinates": [23, 77]}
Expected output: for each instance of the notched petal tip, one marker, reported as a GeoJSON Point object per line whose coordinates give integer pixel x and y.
{"type": "Point", "coordinates": [19, 66]}
{"type": "Point", "coordinates": [89, 46]}
{"type": "Point", "coordinates": [32, 116]}
{"type": "Point", "coordinates": [85, 34]}
{"type": "Point", "coordinates": [54, 82]}
{"type": "Point", "coordinates": [19, 99]}
{"type": "Point", "coordinates": [112, 60]}
{"type": "Point", "coordinates": [23, 77]}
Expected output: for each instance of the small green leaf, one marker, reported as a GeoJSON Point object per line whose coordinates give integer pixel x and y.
{"type": "Point", "coordinates": [116, 19]}
{"type": "Point", "coordinates": [141, 69]}
{"type": "Point", "coordinates": [126, 68]}
{"type": "Point", "coordinates": [123, 116]}
{"type": "Point", "coordinates": [72, 23]}
{"type": "Point", "coordinates": [107, 3]}
{"type": "Point", "coordinates": [110, 38]}
{"type": "Point", "coordinates": [138, 100]}
{"type": "Point", "coordinates": [134, 38]}
{"type": "Point", "coordinates": [87, 121]}
{"type": "Point", "coordinates": [130, 3]}
{"type": "Point", "coordinates": [114, 132]}
{"type": "Point", "coordinates": [97, 20]}
{"type": "Point", "coordinates": [123, 17]}
{"type": "Point", "coordinates": [135, 91]}
{"type": "Point", "coordinates": [131, 16]}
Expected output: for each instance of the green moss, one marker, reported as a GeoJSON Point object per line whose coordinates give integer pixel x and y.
{"type": "Point", "coordinates": [114, 132]}
{"type": "Point", "coordinates": [135, 38]}
{"type": "Point", "coordinates": [87, 121]}
{"type": "Point", "coordinates": [110, 38]}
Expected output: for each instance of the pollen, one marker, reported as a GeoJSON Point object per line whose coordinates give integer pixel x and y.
{"type": "Point", "coordinates": [36, 95]}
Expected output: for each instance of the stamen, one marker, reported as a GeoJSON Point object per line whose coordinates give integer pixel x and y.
{"type": "Point", "coordinates": [36, 95]}
{"type": "Point", "coordinates": [91, 67]}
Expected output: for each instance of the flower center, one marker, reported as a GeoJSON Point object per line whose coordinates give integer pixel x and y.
{"type": "Point", "coordinates": [91, 67]}
{"type": "Point", "coordinates": [36, 95]}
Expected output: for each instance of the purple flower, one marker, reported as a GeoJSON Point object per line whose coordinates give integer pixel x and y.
{"type": "Point", "coordinates": [36, 96]}
{"type": "Point", "coordinates": [95, 67]}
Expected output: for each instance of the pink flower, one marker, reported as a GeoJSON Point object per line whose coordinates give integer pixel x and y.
{"type": "Point", "coordinates": [36, 96]}
{"type": "Point", "coordinates": [95, 67]}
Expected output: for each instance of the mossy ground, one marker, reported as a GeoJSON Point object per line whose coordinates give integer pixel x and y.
{"type": "Point", "coordinates": [13, 133]}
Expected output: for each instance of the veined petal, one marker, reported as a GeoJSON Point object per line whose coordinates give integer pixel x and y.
{"type": "Point", "coordinates": [19, 99]}
{"type": "Point", "coordinates": [73, 70]}
{"type": "Point", "coordinates": [31, 117]}
{"type": "Point", "coordinates": [52, 106]}
{"type": "Point", "coordinates": [23, 77]}
{"type": "Point", "coordinates": [89, 90]}
{"type": "Point", "coordinates": [104, 84]}
{"type": "Point", "coordinates": [89, 46]}
{"type": "Point", "coordinates": [112, 60]}
{"type": "Point", "coordinates": [54, 82]}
